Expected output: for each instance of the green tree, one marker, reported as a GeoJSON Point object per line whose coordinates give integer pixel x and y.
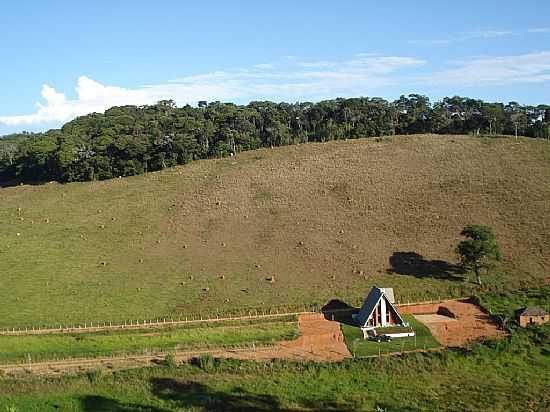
{"type": "Point", "coordinates": [479, 249]}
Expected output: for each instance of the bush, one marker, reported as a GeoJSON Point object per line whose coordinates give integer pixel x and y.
{"type": "Point", "coordinates": [95, 375]}
{"type": "Point", "coordinates": [170, 361]}
{"type": "Point", "coordinates": [206, 362]}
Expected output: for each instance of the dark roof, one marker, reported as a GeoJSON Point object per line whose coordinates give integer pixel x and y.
{"type": "Point", "coordinates": [370, 303]}
{"type": "Point", "coordinates": [534, 311]}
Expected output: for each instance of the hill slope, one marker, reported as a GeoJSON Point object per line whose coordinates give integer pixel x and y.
{"type": "Point", "coordinates": [326, 220]}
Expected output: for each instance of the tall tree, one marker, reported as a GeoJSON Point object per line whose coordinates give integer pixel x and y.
{"type": "Point", "coordinates": [479, 249]}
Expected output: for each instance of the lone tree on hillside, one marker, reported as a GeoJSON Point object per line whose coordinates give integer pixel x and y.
{"type": "Point", "coordinates": [479, 249]}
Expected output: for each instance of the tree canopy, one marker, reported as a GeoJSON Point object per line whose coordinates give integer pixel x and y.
{"type": "Point", "coordinates": [479, 249]}
{"type": "Point", "coordinates": [131, 140]}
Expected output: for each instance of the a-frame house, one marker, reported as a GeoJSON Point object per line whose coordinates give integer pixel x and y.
{"type": "Point", "coordinates": [379, 311]}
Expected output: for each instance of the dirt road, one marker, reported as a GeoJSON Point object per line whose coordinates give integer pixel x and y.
{"type": "Point", "coordinates": [453, 323]}
{"type": "Point", "coordinates": [319, 340]}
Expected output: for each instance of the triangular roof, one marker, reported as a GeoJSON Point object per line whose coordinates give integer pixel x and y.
{"type": "Point", "coordinates": [375, 295]}
{"type": "Point", "coordinates": [389, 294]}
{"type": "Point", "coordinates": [534, 311]}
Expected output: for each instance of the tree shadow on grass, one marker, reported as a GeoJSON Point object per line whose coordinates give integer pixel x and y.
{"type": "Point", "coordinates": [394, 408]}
{"type": "Point", "coordinates": [95, 403]}
{"type": "Point", "coordinates": [197, 395]}
{"type": "Point", "coordinates": [4, 183]}
{"type": "Point", "coordinates": [413, 264]}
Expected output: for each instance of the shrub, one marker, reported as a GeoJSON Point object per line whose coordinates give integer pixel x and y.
{"type": "Point", "coordinates": [206, 362]}
{"type": "Point", "coordinates": [170, 361]}
{"type": "Point", "coordinates": [95, 375]}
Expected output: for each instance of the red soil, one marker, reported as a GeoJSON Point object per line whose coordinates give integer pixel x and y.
{"type": "Point", "coordinates": [470, 322]}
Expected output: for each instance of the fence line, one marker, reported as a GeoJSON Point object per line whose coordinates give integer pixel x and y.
{"type": "Point", "coordinates": [148, 353]}
{"type": "Point", "coordinates": [145, 324]}
{"type": "Point", "coordinates": [180, 320]}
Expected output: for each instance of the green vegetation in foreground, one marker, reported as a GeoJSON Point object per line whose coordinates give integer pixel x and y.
{"type": "Point", "coordinates": [508, 375]}
{"type": "Point", "coordinates": [505, 305]}
{"type": "Point", "coordinates": [360, 347]}
{"type": "Point", "coordinates": [46, 347]}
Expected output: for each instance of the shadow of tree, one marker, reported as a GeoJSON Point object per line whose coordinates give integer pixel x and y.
{"type": "Point", "coordinates": [198, 395]}
{"type": "Point", "coordinates": [339, 311]}
{"type": "Point", "coordinates": [4, 184]}
{"type": "Point", "coordinates": [413, 264]}
{"type": "Point", "coordinates": [390, 407]}
{"type": "Point", "coordinates": [95, 403]}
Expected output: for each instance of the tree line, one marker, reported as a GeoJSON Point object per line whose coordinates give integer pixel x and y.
{"type": "Point", "coordinates": [132, 140]}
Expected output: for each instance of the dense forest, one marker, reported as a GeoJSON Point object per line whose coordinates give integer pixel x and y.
{"type": "Point", "coordinates": [132, 140]}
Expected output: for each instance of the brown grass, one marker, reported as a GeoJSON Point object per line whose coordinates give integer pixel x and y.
{"type": "Point", "coordinates": [321, 219]}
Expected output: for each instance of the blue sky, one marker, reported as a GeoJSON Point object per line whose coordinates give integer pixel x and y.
{"type": "Point", "coordinates": [61, 59]}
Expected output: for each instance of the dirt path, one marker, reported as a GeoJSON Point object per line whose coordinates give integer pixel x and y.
{"type": "Point", "coordinates": [455, 322]}
{"type": "Point", "coordinates": [319, 340]}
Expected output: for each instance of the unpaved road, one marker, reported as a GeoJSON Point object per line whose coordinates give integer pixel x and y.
{"type": "Point", "coordinates": [319, 340]}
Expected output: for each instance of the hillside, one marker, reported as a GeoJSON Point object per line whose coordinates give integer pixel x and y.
{"type": "Point", "coordinates": [326, 220]}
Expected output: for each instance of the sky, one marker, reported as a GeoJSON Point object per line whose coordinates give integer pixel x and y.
{"type": "Point", "coordinates": [62, 59]}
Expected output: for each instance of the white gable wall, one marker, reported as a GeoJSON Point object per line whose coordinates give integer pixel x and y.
{"type": "Point", "coordinates": [383, 315]}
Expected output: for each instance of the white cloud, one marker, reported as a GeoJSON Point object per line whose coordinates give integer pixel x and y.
{"type": "Point", "coordinates": [295, 81]}
{"type": "Point", "coordinates": [92, 97]}
{"type": "Point", "coordinates": [539, 30]}
{"type": "Point", "coordinates": [499, 70]}
{"type": "Point", "coordinates": [489, 34]}
{"type": "Point", "coordinates": [289, 80]}
{"type": "Point", "coordinates": [480, 34]}
{"type": "Point", "coordinates": [266, 66]}
{"type": "Point", "coordinates": [437, 42]}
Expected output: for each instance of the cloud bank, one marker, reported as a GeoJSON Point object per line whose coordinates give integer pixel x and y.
{"type": "Point", "coordinates": [500, 70]}
{"type": "Point", "coordinates": [289, 80]}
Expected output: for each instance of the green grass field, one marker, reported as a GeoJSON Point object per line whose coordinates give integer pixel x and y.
{"type": "Point", "coordinates": [505, 305]}
{"type": "Point", "coordinates": [509, 375]}
{"type": "Point", "coordinates": [360, 347]}
{"type": "Point", "coordinates": [325, 220]}
{"type": "Point", "coordinates": [54, 346]}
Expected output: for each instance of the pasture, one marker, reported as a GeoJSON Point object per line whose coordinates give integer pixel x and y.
{"type": "Point", "coordinates": [36, 348]}
{"type": "Point", "coordinates": [287, 226]}
{"type": "Point", "coordinates": [510, 375]}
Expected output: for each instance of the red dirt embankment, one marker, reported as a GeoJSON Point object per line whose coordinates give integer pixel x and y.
{"type": "Point", "coordinates": [469, 322]}
{"type": "Point", "coordinates": [319, 340]}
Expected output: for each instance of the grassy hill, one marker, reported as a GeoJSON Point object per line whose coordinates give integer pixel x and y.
{"type": "Point", "coordinates": [325, 220]}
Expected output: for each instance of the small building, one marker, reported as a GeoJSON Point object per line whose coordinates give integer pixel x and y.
{"type": "Point", "coordinates": [378, 311]}
{"type": "Point", "coordinates": [533, 316]}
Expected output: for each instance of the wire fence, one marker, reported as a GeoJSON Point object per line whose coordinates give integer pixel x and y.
{"type": "Point", "coordinates": [169, 321]}
{"type": "Point", "coordinates": [239, 314]}
{"type": "Point", "coordinates": [145, 354]}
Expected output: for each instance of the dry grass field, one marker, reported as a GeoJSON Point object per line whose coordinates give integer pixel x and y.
{"type": "Point", "coordinates": [320, 220]}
